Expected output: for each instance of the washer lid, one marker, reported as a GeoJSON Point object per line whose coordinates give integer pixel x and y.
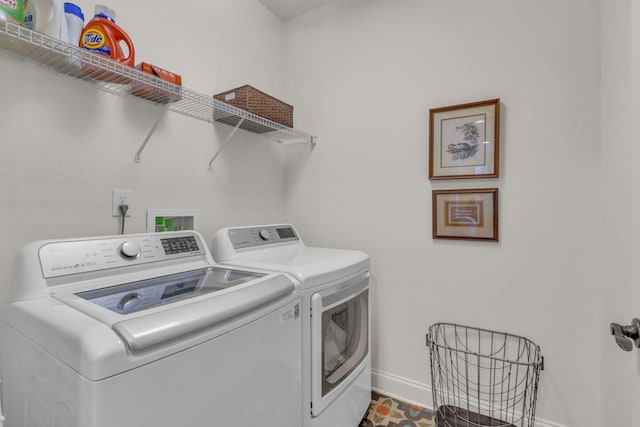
{"type": "Point", "coordinates": [98, 342]}
{"type": "Point", "coordinates": [151, 330]}
{"type": "Point", "coordinates": [157, 291]}
{"type": "Point", "coordinates": [159, 310]}
{"type": "Point", "coordinates": [311, 266]}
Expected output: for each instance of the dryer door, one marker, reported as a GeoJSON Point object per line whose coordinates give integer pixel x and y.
{"type": "Point", "coordinates": [339, 338]}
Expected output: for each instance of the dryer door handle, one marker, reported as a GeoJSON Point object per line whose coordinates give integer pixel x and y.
{"type": "Point", "coordinates": [346, 290]}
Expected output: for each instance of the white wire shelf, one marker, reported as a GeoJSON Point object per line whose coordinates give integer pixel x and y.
{"type": "Point", "coordinates": [121, 79]}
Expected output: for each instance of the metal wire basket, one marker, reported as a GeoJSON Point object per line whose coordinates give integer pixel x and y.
{"type": "Point", "coordinates": [482, 378]}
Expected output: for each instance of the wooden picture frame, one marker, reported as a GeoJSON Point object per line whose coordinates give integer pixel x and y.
{"type": "Point", "coordinates": [466, 214]}
{"type": "Point", "coordinates": [464, 141]}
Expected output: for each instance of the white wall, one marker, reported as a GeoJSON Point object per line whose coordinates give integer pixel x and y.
{"type": "Point", "coordinates": [65, 144]}
{"type": "Point", "coordinates": [633, 376]}
{"type": "Point", "coordinates": [363, 75]}
{"type": "Point", "coordinates": [617, 191]}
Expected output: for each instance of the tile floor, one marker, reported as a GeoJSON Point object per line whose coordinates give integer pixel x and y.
{"type": "Point", "coordinates": [388, 412]}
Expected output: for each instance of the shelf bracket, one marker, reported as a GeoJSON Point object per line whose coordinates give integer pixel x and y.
{"type": "Point", "coordinates": [224, 144]}
{"type": "Point", "coordinates": [163, 113]}
{"type": "Point", "coordinates": [310, 140]}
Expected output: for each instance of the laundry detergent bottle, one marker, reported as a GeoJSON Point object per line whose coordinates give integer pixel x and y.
{"type": "Point", "coordinates": [46, 17]}
{"type": "Point", "coordinates": [102, 35]}
{"type": "Point", "coordinates": [12, 11]}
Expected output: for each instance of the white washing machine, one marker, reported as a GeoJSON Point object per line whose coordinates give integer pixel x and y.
{"type": "Point", "coordinates": [335, 310]}
{"type": "Point", "coordinates": [147, 331]}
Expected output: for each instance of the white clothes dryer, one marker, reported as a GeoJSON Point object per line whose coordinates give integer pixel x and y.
{"type": "Point", "coordinates": [334, 284]}
{"type": "Point", "coordinates": [146, 330]}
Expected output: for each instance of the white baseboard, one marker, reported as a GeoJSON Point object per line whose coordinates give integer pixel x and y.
{"type": "Point", "coordinates": [417, 393]}
{"type": "Point", "coordinates": [404, 389]}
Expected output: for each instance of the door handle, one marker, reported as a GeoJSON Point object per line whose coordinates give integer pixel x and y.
{"type": "Point", "coordinates": [626, 336]}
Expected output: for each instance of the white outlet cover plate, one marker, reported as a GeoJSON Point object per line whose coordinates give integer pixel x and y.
{"type": "Point", "coordinates": [115, 201]}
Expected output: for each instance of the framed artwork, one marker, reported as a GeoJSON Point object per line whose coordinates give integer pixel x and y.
{"type": "Point", "coordinates": [464, 141]}
{"type": "Point", "coordinates": [466, 214]}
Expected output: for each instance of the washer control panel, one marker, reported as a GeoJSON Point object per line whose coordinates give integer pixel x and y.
{"type": "Point", "coordinates": [82, 256]}
{"type": "Point", "coordinates": [264, 235]}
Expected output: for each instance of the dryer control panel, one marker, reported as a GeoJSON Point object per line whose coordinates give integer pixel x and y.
{"type": "Point", "coordinates": [67, 257]}
{"type": "Point", "coordinates": [248, 237]}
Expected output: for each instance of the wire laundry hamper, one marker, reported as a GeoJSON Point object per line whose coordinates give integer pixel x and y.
{"type": "Point", "coordinates": [482, 378]}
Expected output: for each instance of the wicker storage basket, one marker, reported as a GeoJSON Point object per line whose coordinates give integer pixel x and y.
{"type": "Point", "coordinates": [259, 103]}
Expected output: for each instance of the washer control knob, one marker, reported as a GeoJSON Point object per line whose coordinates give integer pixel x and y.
{"type": "Point", "coordinates": [264, 234]}
{"type": "Point", "coordinates": [129, 250]}
{"type": "Point", "coordinates": [129, 302]}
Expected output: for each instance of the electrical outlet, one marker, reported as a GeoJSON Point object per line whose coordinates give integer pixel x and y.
{"type": "Point", "coordinates": [120, 197]}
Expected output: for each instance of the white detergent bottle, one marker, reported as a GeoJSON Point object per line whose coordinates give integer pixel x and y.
{"type": "Point", "coordinates": [47, 17]}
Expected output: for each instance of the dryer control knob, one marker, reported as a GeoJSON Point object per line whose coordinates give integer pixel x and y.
{"type": "Point", "coordinates": [264, 234]}
{"type": "Point", "coordinates": [129, 250]}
